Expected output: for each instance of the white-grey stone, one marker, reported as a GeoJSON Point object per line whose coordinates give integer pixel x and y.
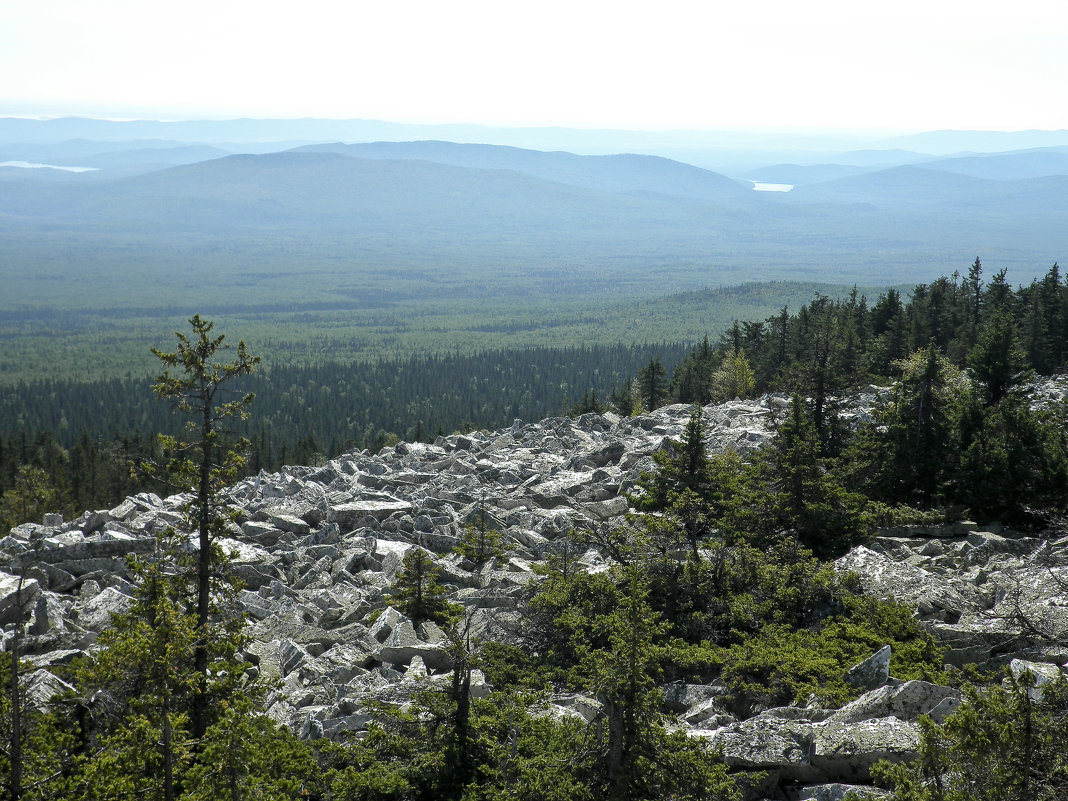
{"type": "Point", "coordinates": [872, 672]}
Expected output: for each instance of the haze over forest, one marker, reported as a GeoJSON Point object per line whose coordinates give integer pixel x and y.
{"type": "Point", "coordinates": [373, 220]}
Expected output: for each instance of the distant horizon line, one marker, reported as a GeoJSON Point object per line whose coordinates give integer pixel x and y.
{"type": "Point", "coordinates": [786, 129]}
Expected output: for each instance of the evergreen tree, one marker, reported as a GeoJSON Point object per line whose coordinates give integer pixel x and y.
{"type": "Point", "coordinates": [418, 593]}
{"type": "Point", "coordinates": [692, 379]}
{"type": "Point", "coordinates": [1007, 743]}
{"type": "Point", "coordinates": [998, 296]}
{"type": "Point", "coordinates": [589, 403]}
{"type": "Point", "coordinates": [890, 333]}
{"type": "Point", "coordinates": [203, 464]}
{"type": "Point", "coordinates": [624, 400]}
{"type": "Point", "coordinates": [478, 544]}
{"type": "Point", "coordinates": [974, 298]}
{"type": "Point", "coordinates": [910, 449]}
{"type": "Point", "coordinates": [808, 498]}
{"type": "Point", "coordinates": [145, 667]}
{"type": "Point", "coordinates": [995, 361]}
{"type": "Point", "coordinates": [652, 383]}
{"type": "Point", "coordinates": [734, 378]}
{"type": "Point", "coordinates": [31, 496]}
{"type": "Point", "coordinates": [146, 685]}
{"type": "Point", "coordinates": [1011, 458]}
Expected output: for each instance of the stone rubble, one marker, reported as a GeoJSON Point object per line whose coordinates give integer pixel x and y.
{"type": "Point", "coordinates": [318, 547]}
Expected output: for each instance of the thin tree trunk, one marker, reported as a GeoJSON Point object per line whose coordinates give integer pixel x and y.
{"type": "Point", "coordinates": [200, 654]}
{"type": "Point", "coordinates": [15, 783]}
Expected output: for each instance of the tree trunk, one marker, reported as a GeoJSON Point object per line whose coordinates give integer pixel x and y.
{"type": "Point", "coordinates": [15, 778]}
{"type": "Point", "coordinates": [200, 655]}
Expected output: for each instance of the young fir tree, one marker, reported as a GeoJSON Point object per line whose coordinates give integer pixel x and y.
{"type": "Point", "coordinates": [146, 672]}
{"type": "Point", "coordinates": [418, 593]}
{"type": "Point", "coordinates": [682, 466]}
{"type": "Point", "coordinates": [600, 634]}
{"type": "Point", "coordinates": [995, 361]}
{"type": "Point", "coordinates": [479, 544]}
{"type": "Point", "coordinates": [195, 382]}
{"type": "Point", "coordinates": [808, 498]}
{"type": "Point", "coordinates": [910, 448]}
{"type": "Point", "coordinates": [144, 684]}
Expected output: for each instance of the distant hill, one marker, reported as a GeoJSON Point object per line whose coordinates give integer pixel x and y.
{"type": "Point", "coordinates": [331, 191]}
{"type": "Point", "coordinates": [313, 225]}
{"type": "Point", "coordinates": [1008, 166]}
{"type": "Point", "coordinates": [798, 174]}
{"type": "Point", "coordinates": [617, 173]}
{"type": "Point", "coordinates": [1034, 163]}
{"type": "Point", "coordinates": [906, 184]}
{"type": "Point", "coordinates": [108, 163]}
{"type": "Point", "coordinates": [911, 187]}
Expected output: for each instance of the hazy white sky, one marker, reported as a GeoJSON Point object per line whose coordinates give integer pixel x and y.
{"type": "Point", "coordinates": [905, 64]}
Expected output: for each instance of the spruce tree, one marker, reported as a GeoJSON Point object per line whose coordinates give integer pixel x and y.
{"type": "Point", "coordinates": [911, 445]}
{"type": "Point", "coordinates": [652, 383]}
{"type": "Point", "coordinates": [996, 362]}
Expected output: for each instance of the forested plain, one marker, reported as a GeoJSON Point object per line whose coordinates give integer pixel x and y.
{"type": "Point", "coordinates": [84, 433]}
{"type": "Point", "coordinates": [721, 571]}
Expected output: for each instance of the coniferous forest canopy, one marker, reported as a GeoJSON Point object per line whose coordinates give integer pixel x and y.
{"type": "Point", "coordinates": [84, 433]}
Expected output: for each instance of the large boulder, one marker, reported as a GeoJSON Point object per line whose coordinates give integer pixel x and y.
{"type": "Point", "coordinates": [905, 702]}
{"type": "Point", "coordinates": [813, 752]}
{"type": "Point", "coordinates": [18, 596]}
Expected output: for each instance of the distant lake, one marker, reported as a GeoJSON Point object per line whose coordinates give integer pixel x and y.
{"type": "Point", "coordinates": [30, 165]}
{"type": "Point", "coordinates": [763, 186]}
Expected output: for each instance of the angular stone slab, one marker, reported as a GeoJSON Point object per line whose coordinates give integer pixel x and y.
{"type": "Point", "coordinates": [349, 514]}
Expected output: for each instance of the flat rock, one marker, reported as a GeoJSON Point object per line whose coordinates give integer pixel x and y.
{"type": "Point", "coordinates": [352, 513]}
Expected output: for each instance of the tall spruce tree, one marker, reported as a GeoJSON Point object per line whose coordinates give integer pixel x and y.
{"type": "Point", "coordinates": [652, 382]}
{"type": "Point", "coordinates": [911, 445]}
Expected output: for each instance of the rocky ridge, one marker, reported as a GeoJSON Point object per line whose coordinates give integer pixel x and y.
{"type": "Point", "coordinates": [318, 547]}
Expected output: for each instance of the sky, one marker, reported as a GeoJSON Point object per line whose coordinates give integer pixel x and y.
{"type": "Point", "coordinates": [906, 65]}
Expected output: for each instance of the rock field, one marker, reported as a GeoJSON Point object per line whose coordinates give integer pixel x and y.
{"type": "Point", "coordinates": [317, 548]}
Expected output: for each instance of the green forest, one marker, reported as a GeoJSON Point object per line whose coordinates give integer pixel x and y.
{"type": "Point", "coordinates": [86, 434]}
{"type": "Point", "coordinates": [721, 572]}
